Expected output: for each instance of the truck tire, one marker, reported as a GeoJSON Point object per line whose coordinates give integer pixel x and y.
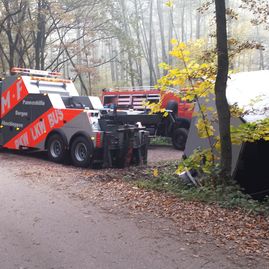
{"type": "Point", "coordinates": [179, 138]}
{"type": "Point", "coordinates": [183, 123]}
{"type": "Point", "coordinates": [57, 149]}
{"type": "Point", "coordinates": [82, 152]}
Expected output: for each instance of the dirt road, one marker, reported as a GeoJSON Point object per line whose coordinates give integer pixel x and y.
{"type": "Point", "coordinates": [42, 225]}
{"type": "Point", "coordinates": [163, 153]}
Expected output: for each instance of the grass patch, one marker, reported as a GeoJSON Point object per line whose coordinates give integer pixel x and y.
{"type": "Point", "coordinates": [159, 140]}
{"type": "Point", "coordinates": [163, 178]}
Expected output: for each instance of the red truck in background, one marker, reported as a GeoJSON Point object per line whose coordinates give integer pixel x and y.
{"type": "Point", "coordinates": [174, 125]}
{"type": "Point", "coordinates": [135, 98]}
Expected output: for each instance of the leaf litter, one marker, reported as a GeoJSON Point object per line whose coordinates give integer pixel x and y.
{"type": "Point", "coordinates": [234, 229]}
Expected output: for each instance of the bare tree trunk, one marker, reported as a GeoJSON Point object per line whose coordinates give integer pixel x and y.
{"type": "Point", "coordinates": [183, 37]}
{"type": "Point", "coordinates": [151, 79]}
{"type": "Point", "coordinates": [160, 15]}
{"type": "Point", "coordinates": [170, 34]}
{"type": "Point", "coordinates": [140, 48]}
{"type": "Point", "coordinates": [112, 63]}
{"type": "Point", "coordinates": [126, 29]}
{"type": "Point", "coordinates": [249, 62]}
{"type": "Point", "coordinates": [244, 62]}
{"type": "Point", "coordinates": [261, 62]}
{"type": "Point", "coordinates": [3, 62]}
{"type": "Point", "coordinates": [156, 72]}
{"type": "Point", "coordinates": [198, 21]}
{"type": "Point", "coordinates": [190, 19]}
{"type": "Point", "coordinates": [122, 76]}
{"type": "Point", "coordinates": [40, 36]}
{"type": "Point", "coordinates": [220, 90]}
{"type": "Point", "coordinates": [261, 56]}
{"type": "Point", "coordinates": [146, 46]}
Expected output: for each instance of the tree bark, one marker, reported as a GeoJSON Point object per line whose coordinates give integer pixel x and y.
{"type": "Point", "coordinates": [220, 90]}
{"type": "Point", "coordinates": [150, 52]}
{"type": "Point", "coordinates": [183, 39]}
{"type": "Point", "coordinates": [140, 46]}
{"type": "Point", "coordinates": [161, 24]}
{"type": "Point", "coordinates": [261, 56]}
{"type": "Point", "coordinates": [170, 34]}
{"type": "Point", "coordinates": [198, 21]}
{"type": "Point", "coordinates": [127, 30]}
{"type": "Point", "coordinates": [40, 36]}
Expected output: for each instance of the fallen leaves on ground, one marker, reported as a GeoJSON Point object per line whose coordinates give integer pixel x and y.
{"type": "Point", "coordinates": [243, 233]}
{"type": "Point", "coordinates": [248, 233]}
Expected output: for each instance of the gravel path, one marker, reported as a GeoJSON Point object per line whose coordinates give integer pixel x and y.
{"type": "Point", "coordinates": [54, 216]}
{"type": "Point", "coordinates": [163, 153]}
{"type": "Point", "coordinates": [42, 229]}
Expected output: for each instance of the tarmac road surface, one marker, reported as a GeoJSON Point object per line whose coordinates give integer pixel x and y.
{"type": "Point", "coordinates": [45, 229]}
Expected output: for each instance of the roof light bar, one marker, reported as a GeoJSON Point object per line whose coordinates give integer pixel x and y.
{"type": "Point", "coordinates": [27, 71]}
{"type": "Point", "coordinates": [51, 79]}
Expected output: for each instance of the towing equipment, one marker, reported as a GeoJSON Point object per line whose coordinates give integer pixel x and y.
{"type": "Point", "coordinates": [175, 125]}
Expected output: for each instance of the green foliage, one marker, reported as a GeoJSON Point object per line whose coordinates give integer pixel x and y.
{"type": "Point", "coordinates": [251, 132]}
{"type": "Point", "coordinates": [228, 195]}
{"type": "Point", "coordinates": [158, 140]}
{"type": "Point", "coordinates": [197, 79]}
{"type": "Point", "coordinates": [202, 161]}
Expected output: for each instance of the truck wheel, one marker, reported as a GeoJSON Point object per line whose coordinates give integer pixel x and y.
{"type": "Point", "coordinates": [82, 152]}
{"type": "Point", "coordinates": [179, 138]}
{"type": "Point", "coordinates": [57, 149]}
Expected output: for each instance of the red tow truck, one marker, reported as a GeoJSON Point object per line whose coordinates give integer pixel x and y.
{"type": "Point", "coordinates": [41, 111]}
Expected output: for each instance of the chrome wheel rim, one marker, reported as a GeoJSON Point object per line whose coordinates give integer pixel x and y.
{"type": "Point", "coordinates": [56, 149]}
{"type": "Point", "coordinates": [81, 152]}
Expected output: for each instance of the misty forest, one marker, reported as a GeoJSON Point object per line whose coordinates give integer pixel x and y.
{"type": "Point", "coordinates": [121, 43]}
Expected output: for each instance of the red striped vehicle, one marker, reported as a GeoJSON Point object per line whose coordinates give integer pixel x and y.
{"type": "Point", "coordinates": [41, 111]}
{"type": "Point", "coordinates": [135, 98]}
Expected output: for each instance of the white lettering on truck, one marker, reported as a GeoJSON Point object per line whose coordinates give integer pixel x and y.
{"type": "Point", "coordinates": [23, 140]}
{"type": "Point", "coordinates": [19, 89]}
{"type": "Point", "coordinates": [38, 130]}
{"type": "Point", "coordinates": [5, 102]}
{"type": "Point", "coordinates": [55, 117]}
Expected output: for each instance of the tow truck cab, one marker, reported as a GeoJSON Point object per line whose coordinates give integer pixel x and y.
{"type": "Point", "coordinates": [41, 111]}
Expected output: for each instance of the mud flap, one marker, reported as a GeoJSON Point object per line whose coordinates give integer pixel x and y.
{"type": "Point", "coordinates": [140, 152]}
{"type": "Point", "coordinates": [125, 154]}
{"type": "Point", "coordinates": [118, 150]}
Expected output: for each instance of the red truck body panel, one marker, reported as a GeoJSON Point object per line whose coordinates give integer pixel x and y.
{"type": "Point", "coordinates": [27, 116]}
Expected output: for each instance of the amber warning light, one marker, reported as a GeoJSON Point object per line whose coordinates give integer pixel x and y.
{"type": "Point", "coordinates": [33, 72]}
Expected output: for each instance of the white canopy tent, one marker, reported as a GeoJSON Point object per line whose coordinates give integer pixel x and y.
{"type": "Point", "coordinates": [250, 90]}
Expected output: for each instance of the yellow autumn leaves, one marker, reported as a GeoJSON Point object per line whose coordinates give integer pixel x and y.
{"type": "Point", "coordinates": [169, 3]}
{"type": "Point", "coordinates": [197, 79]}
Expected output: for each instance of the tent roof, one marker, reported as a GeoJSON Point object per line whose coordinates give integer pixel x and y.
{"type": "Point", "coordinates": [250, 90]}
